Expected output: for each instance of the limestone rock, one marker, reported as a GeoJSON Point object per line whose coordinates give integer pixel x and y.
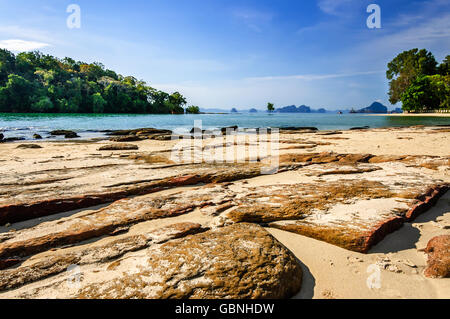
{"type": "Point", "coordinates": [241, 261]}
{"type": "Point", "coordinates": [438, 250]}
{"type": "Point", "coordinates": [59, 262]}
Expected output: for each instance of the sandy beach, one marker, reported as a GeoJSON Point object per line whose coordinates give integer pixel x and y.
{"type": "Point", "coordinates": [415, 114]}
{"type": "Point", "coordinates": [354, 209]}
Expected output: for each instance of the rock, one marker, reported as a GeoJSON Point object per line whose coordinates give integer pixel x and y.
{"type": "Point", "coordinates": [12, 139]}
{"type": "Point", "coordinates": [61, 132]}
{"type": "Point", "coordinates": [1, 136]}
{"type": "Point", "coordinates": [139, 132]}
{"type": "Point", "coordinates": [230, 129]}
{"type": "Point", "coordinates": [241, 261]}
{"type": "Point", "coordinates": [126, 138]}
{"type": "Point", "coordinates": [118, 216]}
{"type": "Point", "coordinates": [161, 137]}
{"type": "Point", "coordinates": [29, 146]}
{"type": "Point", "coordinates": [359, 128]}
{"type": "Point", "coordinates": [118, 147]}
{"type": "Point", "coordinates": [37, 137]}
{"type": "Point", "coordinates": [438, 250]}
{"type": "Point", "coordinates": [53, 265]}
{"type": "Point", "coordinates": [299, 128]}
{"type": "Point", "coordinates": [385, 158]}
{"type": "Point", "coordinates": [71, 135]}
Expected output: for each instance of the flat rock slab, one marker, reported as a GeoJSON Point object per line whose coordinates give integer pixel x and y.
{"type": "Point", "coordinates": [119, 147]}
{"type": "Point", "coordinates": [240, 261]}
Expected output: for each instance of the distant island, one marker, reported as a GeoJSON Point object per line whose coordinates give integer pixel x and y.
{"type": "Point", "coordinates": [300, 109]}
{"type": "Point", "coordinates": [32, 82]}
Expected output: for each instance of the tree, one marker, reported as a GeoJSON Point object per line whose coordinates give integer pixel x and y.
{"type": "Point", "coordinates": [441, 87]}
{"type": "Point", "coordinates": [420, 96]}
{"type": "Point", "coordinates": [7, 65]}
{"type": "Point", "coordinates": [193, 110]}
{"type": "Point", "coordinates": [34, 82]}
{"type": "Point", "coordinates": [98, 103]}
{"type": "Point", "coordinates": [43, 105]}
{"type": "Point", "coordinates": [444, 67]}
{"type": "Point", "coordinates": [16, 95]}
{"type": "Point", "coordinates": [270, 107]}
{"type": "Point", "coordinates": [405, 68]}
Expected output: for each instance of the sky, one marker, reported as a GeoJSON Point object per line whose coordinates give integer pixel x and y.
{"type": "Point", "coordinates": [242, 54]}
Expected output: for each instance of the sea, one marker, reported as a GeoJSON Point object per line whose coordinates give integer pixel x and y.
{"type": "Point", "coordinates": [95, 125]}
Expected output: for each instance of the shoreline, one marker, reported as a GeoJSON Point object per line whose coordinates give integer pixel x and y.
{"type": "Point", "coordinates": [414, 115]}
{"type": "Point", "coordinates": [102, 135]}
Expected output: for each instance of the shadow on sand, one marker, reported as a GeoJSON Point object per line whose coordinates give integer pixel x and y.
{"type": "Point", "coordinates": [308, 283]}
{"type": "Point", "coordinates": [408, 236]}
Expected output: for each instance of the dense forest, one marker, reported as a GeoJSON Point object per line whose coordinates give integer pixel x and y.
{"type": "Point", "coordinates": [32, 82]}
{"type": "Point", "coordinates": [419, 82]}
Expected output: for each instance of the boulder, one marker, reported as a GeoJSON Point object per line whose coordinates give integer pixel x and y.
{"type": "Point", "coordinates": [438, 250]}
{"type": "Point", "coordinates": [37, 137]}
{"type": "Point", "coordinates": [1, 136]}
{"type": "Point", "coordinates": [71, 135]}
{"type": "Point", "coordinates": [241, 261]}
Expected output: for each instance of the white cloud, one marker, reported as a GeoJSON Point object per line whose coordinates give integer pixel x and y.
{"type": "Point", "coordinates": [313, 77]}
{"type": "Point", "coordinates": [334, 7]}
{"type": "Point", "coordinates": [17, 45]}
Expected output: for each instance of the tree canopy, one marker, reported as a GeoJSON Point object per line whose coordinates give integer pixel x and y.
{"type": "Point", "coordinates": [418, 81]}
{"type": "Point", "coordinates": [31, 82]}
{"type": "Point", "coordinates": [192, 110]}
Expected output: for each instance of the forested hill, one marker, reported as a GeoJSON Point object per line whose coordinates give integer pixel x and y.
{"type": "Point", "coordinates": [36, 83]}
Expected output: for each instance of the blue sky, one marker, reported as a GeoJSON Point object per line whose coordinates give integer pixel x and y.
{"type": "Point", "coordinates": [223, 54]}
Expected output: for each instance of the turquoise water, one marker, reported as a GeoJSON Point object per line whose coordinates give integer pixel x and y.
{"type": "Point", "coordinates": [89, 125]}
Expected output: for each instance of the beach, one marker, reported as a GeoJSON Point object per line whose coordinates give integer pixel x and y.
{"type": "Point", "coordinates": [415, 114]}
{"type": "Point", "coordinates": [334, 208]}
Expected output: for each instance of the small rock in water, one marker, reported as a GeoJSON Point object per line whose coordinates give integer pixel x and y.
{"type": "Point", "coordinates": [37, 137]}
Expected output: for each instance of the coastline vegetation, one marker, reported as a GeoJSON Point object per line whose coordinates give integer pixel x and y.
{"type": "Point", "coordinates": [31, 82]}
{"type": "Point", "coordinates": [419, 82]}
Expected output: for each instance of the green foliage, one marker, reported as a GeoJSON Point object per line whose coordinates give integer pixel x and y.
{"type": "Point", "coordinates": [270, 107]}
{"type": "Point", "coordinates": [193, 110]}
{"type": "Point", "coordinates": [418, 82]}
{"type": "Point", "coordinates": [444, 67]}
{"type": "Point", "coordinates": [420, 96]}
{"type": "Point", "coordinates": [43, 105]}
{"type": "Point", "coordinates": [405, 68]}
{"type": "Point", "coordinates": [34, 82]}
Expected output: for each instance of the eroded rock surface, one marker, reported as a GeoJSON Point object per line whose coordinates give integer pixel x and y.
{"type": "Point", "coordinates": [438, 250]}
{"type": "Point", "coordinates": [250, 263]}
{"type": "Point", "coordinates": [350, 200]}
